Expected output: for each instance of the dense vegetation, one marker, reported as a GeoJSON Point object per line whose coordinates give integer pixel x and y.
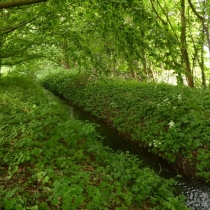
{"type": "Point", "coordinates": [141, 40]}
{"type": "Point", "coordinates": [51, 161]}
{"type": "Point", "coordinates": [171, 121]}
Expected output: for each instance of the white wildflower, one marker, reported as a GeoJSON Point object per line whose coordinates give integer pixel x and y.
{"type": "Point", "coordinates": [156, 143]}
{"type": "Point", "coordinates": [179, 96]}
{"type": "Point", "coordinates": [171, 124]}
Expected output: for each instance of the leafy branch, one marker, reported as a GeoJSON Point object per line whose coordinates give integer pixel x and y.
{"type": "Point", "coordinates": [202, 18]}
{"type": "Point", "coordinates": [17, 3]}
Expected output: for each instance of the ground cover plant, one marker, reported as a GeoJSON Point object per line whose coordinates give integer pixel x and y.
{"type": "Point", "coordinates": [172, 122]}
{"type": "Point", "coordinates": [51, 161]}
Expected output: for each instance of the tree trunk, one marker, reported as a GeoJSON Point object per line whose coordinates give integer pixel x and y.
{"type": "Point", "coordinates": [144, 63]}
{"type": "Point", "coordinates": [133, 67]}
{"type": "Point", "coordinates": [65, 60]}
{"type": "Point", "coordinates": [0, 66]}
{"type": "Point", "coordinates": [201, 64]}
{"type": "Point", "coordinates": [133, 73]}
{"type": "Point", "coordinates": [184, 52]}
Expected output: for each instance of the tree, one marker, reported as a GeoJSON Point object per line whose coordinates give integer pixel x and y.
{"type": "Point", "coordinates": [138, 38]}
{"type": "Point", "coordinates": [184, 50]}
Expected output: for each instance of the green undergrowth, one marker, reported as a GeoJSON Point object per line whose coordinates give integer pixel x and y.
{"type": "Point", "coordinates": [173, 122]}
{"type": "Point", "coordinates": [50, 161]}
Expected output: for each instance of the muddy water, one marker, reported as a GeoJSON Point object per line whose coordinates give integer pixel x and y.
{"type": "Point", "coordinates": [197, 193]}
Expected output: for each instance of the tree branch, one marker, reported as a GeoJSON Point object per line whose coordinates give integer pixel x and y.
{"type": "Point", "coordinates": [21, 59]}
{"type": "Point", "coordinates": [16, 3]}
{"type": "Point", "coordinates": [153, 7]}
{"type": "Point", "coordinates": [18, 52]}
{"type": "Point", "coordinates": [194, 10]}
{"type": "Point", "coordinates": [202, 18]}
{"type": "Point", "coordinates": [169, 22]}
{"type": "Point", "coordinates": [13, 28]}
{"type": "Point", "coordinates": [8, 30]}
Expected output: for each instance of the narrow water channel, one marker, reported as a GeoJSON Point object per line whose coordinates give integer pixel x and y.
{"type": "Point", "coordinates": [197, 193]}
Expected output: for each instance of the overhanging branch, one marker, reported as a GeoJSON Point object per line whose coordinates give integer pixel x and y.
{"type": "Point", "coordinates": [153, 7]}
{"type": "Point", "coordinates": [194, 10]}
{"type": "Point", "coordinates": [16, 3]}
{"type": "Point", "coordinates": [21, 59]}
{"type": "Point", "coordinates": [203, 20]}
{"type": "Point", "coordinates": [8, 30]}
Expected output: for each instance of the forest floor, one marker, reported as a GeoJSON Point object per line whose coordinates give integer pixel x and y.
{"type": "Point", "coordinates": [52, 161]}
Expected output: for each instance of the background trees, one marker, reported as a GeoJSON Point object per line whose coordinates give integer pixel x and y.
{"type": "Point", "coordinates": [140, 39]}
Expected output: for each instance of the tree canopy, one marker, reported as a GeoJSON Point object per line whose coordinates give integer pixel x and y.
{"type": "Point", "coordinates": [139, 38]}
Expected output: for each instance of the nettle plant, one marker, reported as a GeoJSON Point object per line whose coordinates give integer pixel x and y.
{"type": "Point", "coordinates": [171, 121]}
